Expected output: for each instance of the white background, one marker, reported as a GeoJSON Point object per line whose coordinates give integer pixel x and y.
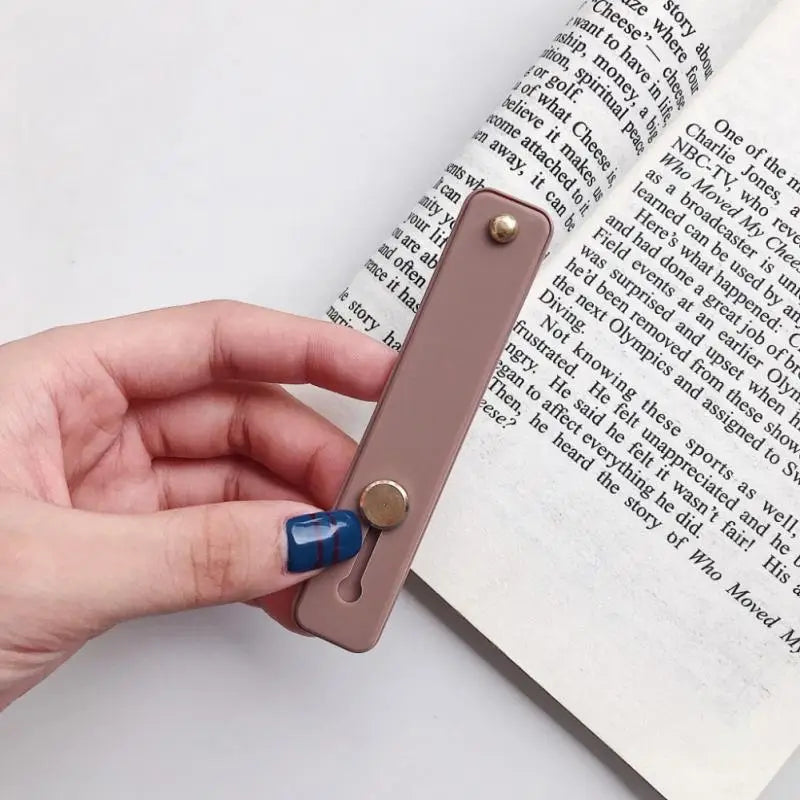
{"type": "Point", "coordinates": [154, 153]}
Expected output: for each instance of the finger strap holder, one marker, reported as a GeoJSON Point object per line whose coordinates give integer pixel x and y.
{"type": "Point", "coordinates": [418, 426]}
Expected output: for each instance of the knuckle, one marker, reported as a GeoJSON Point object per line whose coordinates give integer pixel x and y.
{"type": "Point", "coordinates": [315, 473]}
{"type": "Point", "coordinates": [239, 432]}
{"type": "Point", "coordinates": [222, 312]}
{"type": "Point", "coordinates": [224, 306]}
{"type": "Point", "coordinates": [221, 357]}
{"type": "Point", "coordinates": [232, 484]}
{"type": "Point", "coordinates": [218, 557]}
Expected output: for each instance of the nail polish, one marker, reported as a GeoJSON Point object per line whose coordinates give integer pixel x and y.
{"type": "Point", "coordinates": [321, 539]}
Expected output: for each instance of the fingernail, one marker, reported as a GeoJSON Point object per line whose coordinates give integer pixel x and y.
{"type": "Point", "coordinates": [321, 539]}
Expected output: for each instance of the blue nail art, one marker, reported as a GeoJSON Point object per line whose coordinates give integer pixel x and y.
{"type": "Point", "coordinates": [321, 539]}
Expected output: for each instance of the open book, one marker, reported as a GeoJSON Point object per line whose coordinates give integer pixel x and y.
{"type": "Point", "coordinates": [623, 519]}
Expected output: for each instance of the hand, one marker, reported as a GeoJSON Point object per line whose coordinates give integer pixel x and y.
{"type": "Point", "coordinates": [150, 464]}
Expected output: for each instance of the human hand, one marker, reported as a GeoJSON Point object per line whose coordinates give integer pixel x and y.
{"type": "Point", "coordinates": [150, 464]}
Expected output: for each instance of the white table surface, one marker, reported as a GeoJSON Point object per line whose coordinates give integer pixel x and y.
{"type": "Point", "coordinates": [155, 152]}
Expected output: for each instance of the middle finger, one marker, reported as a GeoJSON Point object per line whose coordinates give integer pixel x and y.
{"type": "Point", "coordinates": [259, 421]}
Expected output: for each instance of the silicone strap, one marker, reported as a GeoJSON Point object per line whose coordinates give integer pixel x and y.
{"type": "Point", "coordinates": [429, 402]}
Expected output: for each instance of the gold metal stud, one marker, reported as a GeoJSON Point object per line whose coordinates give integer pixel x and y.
{"type": "Point", "coordinates": [384, 504]}
{"type": "Point", "coordinates": [503, 228]}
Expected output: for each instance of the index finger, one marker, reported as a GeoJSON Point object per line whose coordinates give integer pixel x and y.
{"type": "Point", "coordinates": [174, 350]}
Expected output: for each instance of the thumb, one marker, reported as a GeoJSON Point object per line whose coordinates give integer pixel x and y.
{"type": "Point", "coordinates": [134, 565]}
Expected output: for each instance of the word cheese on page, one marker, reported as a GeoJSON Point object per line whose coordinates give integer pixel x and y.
{"type": "Point", "coordinates": [623, 519]}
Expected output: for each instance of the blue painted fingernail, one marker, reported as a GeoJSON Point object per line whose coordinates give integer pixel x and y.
{"type": "Point", "coordinates": [321, 539]}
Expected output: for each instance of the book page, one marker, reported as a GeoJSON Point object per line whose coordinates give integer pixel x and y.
{"type": "Point", "coordinates": [622, 520]}
{"type": "Point", "coordinates": [638, 550]}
